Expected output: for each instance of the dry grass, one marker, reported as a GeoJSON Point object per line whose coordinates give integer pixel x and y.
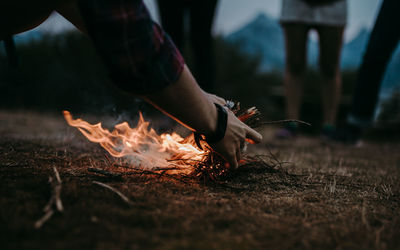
{"type": "Point", "coordinates": [320, 196]}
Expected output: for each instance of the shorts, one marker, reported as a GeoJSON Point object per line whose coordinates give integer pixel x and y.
{"type": "Point", "coordinates": [298, 11]}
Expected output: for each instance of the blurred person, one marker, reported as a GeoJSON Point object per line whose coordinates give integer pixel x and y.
{"type": "Point", "coordinates": [143, 60]}
{"type": "Point", "coordinates": [384, 39]}
{"type": "Point", "coordinates": [200, 14]}
{"type": "Point", "coordinates": [328, 18]}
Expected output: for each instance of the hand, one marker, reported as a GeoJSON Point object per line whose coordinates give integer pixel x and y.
{"type": "Point", "coordinates": [235, 136]}
{"type": "Point", "coordinates": [194, 108]}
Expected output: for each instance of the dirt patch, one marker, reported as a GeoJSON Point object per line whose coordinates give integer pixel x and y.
{"type": "Point", "coordinates": [321, 196]}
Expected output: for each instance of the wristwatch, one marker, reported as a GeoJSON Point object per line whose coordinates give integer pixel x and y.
{"type": "Point", "coordinates": [219, 134]}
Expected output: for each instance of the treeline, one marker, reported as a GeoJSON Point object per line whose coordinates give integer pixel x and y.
{"type": "Point", "coordinates": [58, 72]}
{"type": "Point", "coordinates": [64, 72]}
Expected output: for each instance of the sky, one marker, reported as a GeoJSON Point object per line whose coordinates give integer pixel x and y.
{"type": "Point", "coordinates": [233, 14]}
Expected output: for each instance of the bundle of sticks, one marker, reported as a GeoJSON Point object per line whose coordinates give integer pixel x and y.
{"type": "Point", "coordinates": [214, 166]}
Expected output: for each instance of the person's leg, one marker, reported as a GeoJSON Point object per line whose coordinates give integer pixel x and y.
{"type": "Point", "coordinates": [172, 15]}
{"type": "Point", "coordinates": [330, 42]}
{"type": "Point", "coordinates": [295, 44]}
{"type": "Point", "coordinates": [201, 20]}
{"type": "Point", "coordinates": [295, 64]}
{"type": "Point", "coordinates": [383, 40]}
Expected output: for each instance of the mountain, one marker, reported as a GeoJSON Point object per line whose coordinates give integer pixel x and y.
{"type": "Point", "coordinates": [392, 77]}
{"type": "Point", "coordinates": [263, 37]}
{"type": "Point", "coordinates": [354, 49]}
{"type": "Point", "coordinates": [28, 36]}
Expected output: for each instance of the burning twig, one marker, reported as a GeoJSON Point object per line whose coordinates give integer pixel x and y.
{"type": "Point", "coordinates": [54, 202]}
{"type": "Point", "coordinates": [122, 196]}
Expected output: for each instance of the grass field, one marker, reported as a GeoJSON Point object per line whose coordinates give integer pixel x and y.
{"type": "Point", "coordinates": [322, 196]}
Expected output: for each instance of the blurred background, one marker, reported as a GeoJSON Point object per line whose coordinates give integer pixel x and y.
{"type": "Point", "coordinates": [59, 68]}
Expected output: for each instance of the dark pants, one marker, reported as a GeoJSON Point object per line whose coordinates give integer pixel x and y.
{"type": "Point", "coordinates": [201, 15]}
{"type": "Point", "coordinates": [382, 42]}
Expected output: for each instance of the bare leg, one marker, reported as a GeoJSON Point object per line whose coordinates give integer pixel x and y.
{"type": "Point", "coordinates": [331, 39]}
{"type": "Point", "coordinates": [295, 42]}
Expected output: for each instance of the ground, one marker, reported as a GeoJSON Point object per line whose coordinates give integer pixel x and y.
{"type": "Point", "coordinates": [323, 195]}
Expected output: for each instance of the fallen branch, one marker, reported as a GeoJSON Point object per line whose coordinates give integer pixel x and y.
{"type": "Point", "coordinates": [54, 202]}
{"type": "Point", "coordinates": [122, 196]}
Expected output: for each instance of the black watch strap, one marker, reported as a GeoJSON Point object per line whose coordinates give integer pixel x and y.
{"type": "Point", "coordinates": [222, 122]}
{"type": "Point", "coordinates": [219, 134]}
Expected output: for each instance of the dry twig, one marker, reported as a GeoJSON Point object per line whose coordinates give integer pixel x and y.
{"type": "Point", "coordinates": [54, 202]}
{"type": "Point", "coordinates": [122, 196]}
{"type": "Point", "coordinates": [285, 121]}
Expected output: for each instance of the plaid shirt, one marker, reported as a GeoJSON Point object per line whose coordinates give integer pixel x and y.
{"type": "Point", "coordinates": [140, 56]}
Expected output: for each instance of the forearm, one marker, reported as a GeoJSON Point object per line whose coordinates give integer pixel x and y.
{"type": "Point", "coordinates": [187, 103]}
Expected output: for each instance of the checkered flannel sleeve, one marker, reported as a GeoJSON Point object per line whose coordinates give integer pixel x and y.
{"type": "Point", "coordinates": [140, 56]}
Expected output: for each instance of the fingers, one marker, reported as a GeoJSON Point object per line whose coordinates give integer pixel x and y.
{"type": "Point", "coordinates": [233, 162]}
{"type": "Point", "coordinates": [238, 157]}
{"type": "Point", "coordinates": [232, 156]}
{"type": "Point", "coordinates": [216, 99]}
{"type": "Point", "coordinates": [253, 136]}
{"type": "Point", "coordinates": [220, 100]}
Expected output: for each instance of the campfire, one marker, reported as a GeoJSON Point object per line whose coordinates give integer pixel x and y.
{"type": "Point", "coordinates": [142, 148]}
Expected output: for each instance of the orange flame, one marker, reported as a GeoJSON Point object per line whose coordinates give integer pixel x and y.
{"type": "Point", "coordinates": [142, 146]}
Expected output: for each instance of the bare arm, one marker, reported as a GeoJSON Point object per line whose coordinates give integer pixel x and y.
{"type": "Point", "coordinates": [192, 107]}
{"type": "Point", "coordinates": [185, 101]}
